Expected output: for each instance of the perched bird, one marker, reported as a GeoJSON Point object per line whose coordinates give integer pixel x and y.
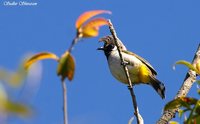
{"type": "Point", "coordinates": [140, 71]}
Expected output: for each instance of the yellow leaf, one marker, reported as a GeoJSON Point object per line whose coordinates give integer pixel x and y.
{"type": "Point", "coordinates": [39, 56]}
{"type": "Point", "coordinates": [173, 122]}
{"type": "Point", "coordinates": [66, 66]}
{"type": "Point", "coordinates": [17, 109]}
{"type": "Point", "coordinates": [198, 65]}
{"type": "Point", "coordinates": [87, 15]}
{"type": "Point", "coordinates": [91, 29]}
{"type": "Point", "coordinates": [16, 78]}
{"type": "Point", "coordinates": [13, 78]}
{"type": "Point", "coordinates": [9, 107]}
{"type": "Point", "coordinates": [188, 64]}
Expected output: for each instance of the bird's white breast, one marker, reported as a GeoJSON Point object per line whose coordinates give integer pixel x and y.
{"type": "Point", "coordinates": [117, 69]}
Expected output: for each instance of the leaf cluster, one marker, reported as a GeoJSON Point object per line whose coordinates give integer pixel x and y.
{"type": "Point", "coordinates": [187, 104]}
{"type": "Point", "coordinates": [85, 27]}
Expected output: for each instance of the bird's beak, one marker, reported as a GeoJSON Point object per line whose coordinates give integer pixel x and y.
{"type": "Point", "coordinates": [103, 39]}
{"type": "Point", "coordinates": [101, 48]}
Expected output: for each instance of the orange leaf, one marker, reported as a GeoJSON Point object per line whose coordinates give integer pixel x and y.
{"type": "Point", "coordinates": [66, 66]}
{"type": "Point", "coordinates": [87, 15]}
{"type": "Point", "coordinates": [39, 56]}
{"type": "Point", "coordinates": [91, 29]}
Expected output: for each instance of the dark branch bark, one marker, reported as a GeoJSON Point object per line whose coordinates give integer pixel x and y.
{"type": "Point", "coordinates": [130, 87]}
{"type": "Point", "coordinates": [187, 84]}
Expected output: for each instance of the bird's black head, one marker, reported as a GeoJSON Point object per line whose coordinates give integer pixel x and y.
{"type": "Point", "coordinates": [108, 45]}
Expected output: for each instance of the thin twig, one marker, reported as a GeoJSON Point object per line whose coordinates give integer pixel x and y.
{"type": "Point", "coordinates": [190, 78]}
{"type": "Point", "coordinates": [130, 87]}
{"type": "Point", "coordinates": [75, 40]}
{"type": "Point", "coordinates": [65, 116]}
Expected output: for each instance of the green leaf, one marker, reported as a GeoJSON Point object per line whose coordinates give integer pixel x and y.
{"type": "Point", "coordinates": [197, 119]}
{"type": "Point", "coordinates": [197, 110]}
{"type": "Point", "coordinates": [39, 56]}
{"type": "Point", "coordinates": [194, 114]}
{"type": "Point", "coordinates": [189, 100]}
{"type": "Point", "coordinates": [180, 102]}
{"type": "Point", "coordinates": [66, 66]}
{"type": "Point", "coordinates": [186, 63]}
{"type": "Point", "coordinates": [172, 104]}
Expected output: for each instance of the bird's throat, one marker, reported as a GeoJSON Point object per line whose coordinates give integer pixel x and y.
{"type": "Point", "coordinates": [107, 53]}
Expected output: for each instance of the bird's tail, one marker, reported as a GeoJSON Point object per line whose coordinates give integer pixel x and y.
{"type": "Point", "coordinates": [158, 86]}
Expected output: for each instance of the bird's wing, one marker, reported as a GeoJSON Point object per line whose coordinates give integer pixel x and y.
{"type": "Point", "coordinates": [142, 60]}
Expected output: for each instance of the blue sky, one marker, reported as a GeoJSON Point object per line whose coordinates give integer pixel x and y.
{"type": "Point", "coordinates": [160, 31]}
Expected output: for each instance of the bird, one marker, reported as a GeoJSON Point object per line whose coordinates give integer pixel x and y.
{"type": "Point", "coordinates": [140, 70]}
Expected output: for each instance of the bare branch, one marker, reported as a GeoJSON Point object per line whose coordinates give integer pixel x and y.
{"type": "Point", "coordinates": [65, 116]}
{"type": "Point", "coordinates": [190, 78]}
{"type": "Point", "coordinates": [130, 87]}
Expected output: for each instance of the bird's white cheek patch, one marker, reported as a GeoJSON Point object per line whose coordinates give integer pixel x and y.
{"type": "Point", "coordinates": [115, 48]}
